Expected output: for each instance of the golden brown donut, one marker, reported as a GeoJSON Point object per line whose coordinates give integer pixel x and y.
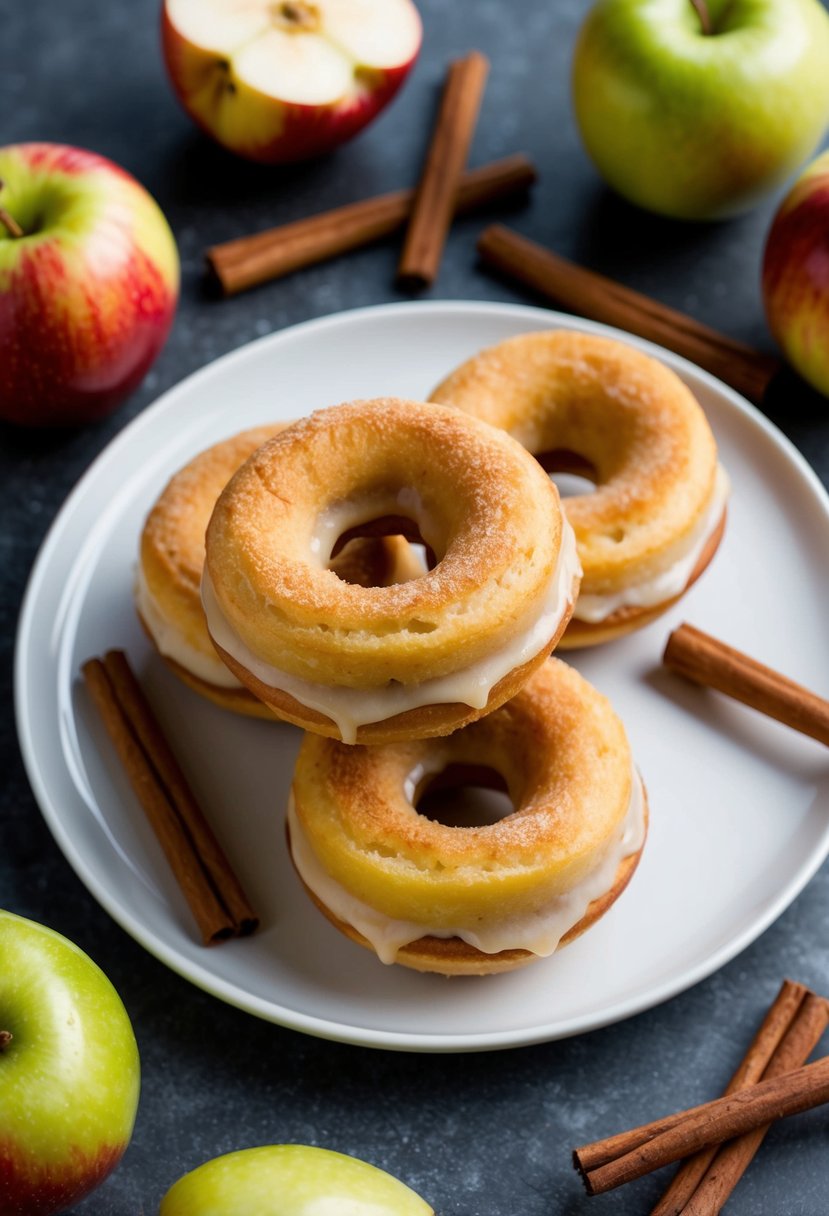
{"type": "Point", "coordinates": [374, 664]}
{"type": "Point", "coordinates": [171, 559]}
{"type": "Point", "coordinates": [481, 899]}
{"type": "Point", "coordinates": [595, 406]}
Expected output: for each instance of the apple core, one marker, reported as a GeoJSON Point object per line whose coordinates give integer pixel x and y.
{"type": "Point", "coordinates": [297, 16]}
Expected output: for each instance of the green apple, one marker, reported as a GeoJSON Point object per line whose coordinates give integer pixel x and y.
{"type": "Point", "coordinates": [696, 108]}
{"type": "Point", "coordinates": [69, 1073]}
{"type": "Point", "coordinates": [290, 1180]}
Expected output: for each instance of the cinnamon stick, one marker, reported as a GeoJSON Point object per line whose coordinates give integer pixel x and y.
{"type": "Point", "coordinates": [723, 1119]}
{"type": "Point", "coordinates": [203, 873]}
{"type": "Point", "coordinates": [733, 1158]}
{"type": "Point", "coordinates": [787, 1035]}
{"type": "Point", "coordinates": [771, 1031]}
{"type": "Point", "coordinates": [251, 260]}
{"type": "Point", "coordinates": [705, 660]}
{"type": "Point", "coordinates": [592, 295]}
{"type": "Point", "coordinates": [445, 162]}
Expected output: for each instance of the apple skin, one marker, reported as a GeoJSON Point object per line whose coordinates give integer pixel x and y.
{"type": "Point", "coordinates": [88, 295]}
{"type": "Point", "coordinates": [69, 1078]}
{"type": "Point", "coordinates": [248, 122]}
{"type": "Point", "coordinates": [699, 126]}
{"type": "Point", "coordinates": [796, 275]}
{"type": "Point", "coordinates": [290, 1180]}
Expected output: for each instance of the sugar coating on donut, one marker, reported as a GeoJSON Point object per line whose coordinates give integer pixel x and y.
{"type": "Point", "coordinates": [483, 507]}
{"type": "Point", "coordinates": [171, 551]}
{"type": "Point", "coordinates": [635, 427]}
{"type": "Point", "coordinates": [171, 561]}
{"type": "Point", "coordinates": [564, 756]}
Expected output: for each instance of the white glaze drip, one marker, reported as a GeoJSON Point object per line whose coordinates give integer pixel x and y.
{"type": "Point", "coordinates": [172, 643]}
{"type": "Point", "coordinates": [670, 582]}
{"type": "Point", "coordinates": [351, 708]}
{"type": "Point", "coordinates": [539, 932]}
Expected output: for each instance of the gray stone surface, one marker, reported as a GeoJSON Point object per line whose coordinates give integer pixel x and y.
{"type": "Point", "coordinates": [485, 1135]}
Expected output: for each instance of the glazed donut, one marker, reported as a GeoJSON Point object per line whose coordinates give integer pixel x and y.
{"type": "Point", "coordinates": [481, 899]}
{"type": "Point", "coordinates": [592, 405]}
{"type": "Point", "coordinates": [171, 558]}
{"type": "Point", "coordinates": [421, 658]}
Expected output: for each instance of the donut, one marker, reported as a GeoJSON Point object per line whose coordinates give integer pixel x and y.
{"type": "Point", "coordinates": [594, 406]}
{"type": "Point", "coordinates": [472, 900]}
{"type": "Point", "coordinates": [171, 558]}
{"type": "Point", "coordinates": [421, 658]}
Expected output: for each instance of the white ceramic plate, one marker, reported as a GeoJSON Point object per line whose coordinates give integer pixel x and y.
{"type": "Point", "coordinates": [739, 805]}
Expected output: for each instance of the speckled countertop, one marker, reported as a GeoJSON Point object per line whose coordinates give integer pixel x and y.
{"type": "Point", "coordinates": [478, 1135]}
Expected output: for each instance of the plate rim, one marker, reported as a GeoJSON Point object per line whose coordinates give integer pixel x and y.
{"type": "Point", "coordinates": [200, 975]}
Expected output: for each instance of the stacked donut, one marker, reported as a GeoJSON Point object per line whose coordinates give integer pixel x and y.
{"type": "Point", "coordinates": [392, 577]}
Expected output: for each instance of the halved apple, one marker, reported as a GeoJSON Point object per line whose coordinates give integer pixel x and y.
{"type": "Point", "coordinates": [282, 80]}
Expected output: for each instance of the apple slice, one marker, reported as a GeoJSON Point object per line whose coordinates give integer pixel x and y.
{"type": "Point", "coordinates": [290, 1180]}
{"type": "Point", "coordinates": [281, 80]}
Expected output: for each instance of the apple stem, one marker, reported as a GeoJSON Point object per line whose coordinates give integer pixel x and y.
{"type": "Point", "coordinates": [704, 16]}
{"type": "Point", "coordinates": [13, 227]}
{"type": "Point", "coordinates": [6, 1037]}
{"type": "Point", "coordinates": [9, 222]}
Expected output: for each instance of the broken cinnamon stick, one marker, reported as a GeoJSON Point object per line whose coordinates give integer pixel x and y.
{"type": "Point", "coordinates": [207, 881]}
{"type": "Point", "coordinates": [705, 660]}
{"type": "Point", "coordinates": [723, 1119]}
{"type": "Point", "coordinates": [251, 260]}
{"type": "Point", "coordinates": [592, 295]}
{"type": "Point", "coordinates": [445, 162]}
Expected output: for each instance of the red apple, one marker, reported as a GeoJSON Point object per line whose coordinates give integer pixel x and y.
{"type": "Point", "coordinates": [88, 284]}
{"type": "Point", "coordinates": [796, 275]}
{"type": "Point", "coordinates": [68, 1071]}
{"type": "Point", "coordinates": [281, 80]}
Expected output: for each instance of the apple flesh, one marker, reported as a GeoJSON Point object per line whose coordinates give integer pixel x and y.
{"type": "Point", "coordinates": [88, 284]}
{"type": "Point", "coordinates": [696, 124]}
{"type": "Point", "coordinates": [796, 275]}
{"type": "Point", "coordinates": [282, 80]}
{"type": "Point", "coordinates": [69, 1072]}
{"type": "Point", "coordinates": [290, 1180]}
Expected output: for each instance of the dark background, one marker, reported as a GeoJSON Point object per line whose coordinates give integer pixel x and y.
{"type": "Point", "coordinates": [478, 1135]}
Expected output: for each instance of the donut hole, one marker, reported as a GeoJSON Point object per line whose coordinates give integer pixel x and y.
{"type": "Point", "coordinates": [422, 556]}
{"type": "Point", "coordinates": [465, 796]}
{"type": "Point", "coordinates": [573, 475]}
